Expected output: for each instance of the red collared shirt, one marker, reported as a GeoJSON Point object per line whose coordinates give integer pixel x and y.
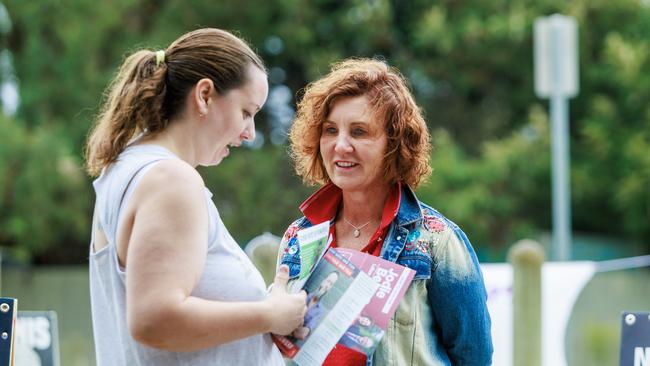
{"type": "Point", "coordinates": [323, 205]}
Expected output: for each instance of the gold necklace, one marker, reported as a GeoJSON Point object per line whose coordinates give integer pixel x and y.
{"type": "Point", "coordinates": [357, 229]}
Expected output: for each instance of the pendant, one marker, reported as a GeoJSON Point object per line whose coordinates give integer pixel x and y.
{"type": "Point", "coordinates": [356, 233]}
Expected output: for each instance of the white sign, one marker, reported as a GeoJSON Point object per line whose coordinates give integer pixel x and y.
{"type": "Point", "coordinates": [565, 278]}
{"type": "Point", "coordinates": [556, 56]}
{"type": "Point", "coordinates": [37, 339]}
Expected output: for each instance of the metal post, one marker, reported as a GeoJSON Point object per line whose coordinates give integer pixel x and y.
{"type": "Point", "coordinates": [561, 179]}
{"type": "Point", "coordinates": [556, 78]}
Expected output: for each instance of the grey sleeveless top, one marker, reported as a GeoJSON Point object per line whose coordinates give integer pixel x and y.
{"type": "Point", "coordinates": [228, 276]}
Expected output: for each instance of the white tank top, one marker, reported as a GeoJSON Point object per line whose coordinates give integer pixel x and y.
{"type": "Point", "coordinates": [228, 276]}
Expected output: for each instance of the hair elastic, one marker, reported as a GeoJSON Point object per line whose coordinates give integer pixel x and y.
{"type": "Point", "coordinates": [160, 57]}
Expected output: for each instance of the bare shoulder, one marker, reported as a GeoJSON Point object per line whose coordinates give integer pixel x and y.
{"type": "Point", "coordinates": [174, 171]}
{"type": "Point", "coordinates": [171, 179]}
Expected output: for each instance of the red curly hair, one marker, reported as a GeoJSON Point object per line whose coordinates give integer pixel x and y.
{"type": "Point", "coordinates": [408, 150]}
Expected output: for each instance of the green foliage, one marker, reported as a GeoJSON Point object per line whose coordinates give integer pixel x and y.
{"type": "Point", "coordinates": [469, 65]}
{"type": "Point", "coordinates": [44, 198]}
{"type": "Point", "coordinates": [612, 126]}
{"type": "Point", "coordinates": [256, 191]}
{"type": "Point", "coordinates": [485, 194]}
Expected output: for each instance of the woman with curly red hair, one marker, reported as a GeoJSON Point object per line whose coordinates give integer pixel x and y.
{"type": "Point", "coordinates": [359, 133]}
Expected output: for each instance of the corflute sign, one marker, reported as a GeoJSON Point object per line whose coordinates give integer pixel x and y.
{"type": "Point", "coordinates": [635, 339]}
{"type": "Point", "coordinates": [37, 339]}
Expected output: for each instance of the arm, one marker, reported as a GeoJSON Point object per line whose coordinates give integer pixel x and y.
{"type": "Point", "coordinates": [458, 300]}
{"type": "Point", "coordinates": [164, 261]}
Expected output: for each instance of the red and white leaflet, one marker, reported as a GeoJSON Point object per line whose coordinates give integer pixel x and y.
{"type": "Point", "coordinates": [393, 281]}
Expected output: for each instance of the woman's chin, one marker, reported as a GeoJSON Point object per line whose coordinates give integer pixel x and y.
{"type": "Point", "coordinates": [218, 157]}
{"type": "Point", "coordinates": [214, 162]}
{"type": "Point", "coordinates": [346, 183]}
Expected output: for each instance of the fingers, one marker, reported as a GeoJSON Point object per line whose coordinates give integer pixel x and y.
{"type": "Point", "coordinates": [283, 268]}
{"type": "Point", "coordinates": [303, 295]}
{"type": "Point", "coordinates": [300, 332]}
{"type": "Point", "coordinates": [282, 277]}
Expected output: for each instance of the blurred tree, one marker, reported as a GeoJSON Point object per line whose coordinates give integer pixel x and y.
{"type": "Point", "coordinates": [485, 193]}
{"type": "Point", "coordinates": [256, 191]}
{"type": "Point", "coordinates": [469, 65]}
{"type": "Point", "coordinates": [611, 125]}
{"type": "Point", "coordinates": [43, 195]}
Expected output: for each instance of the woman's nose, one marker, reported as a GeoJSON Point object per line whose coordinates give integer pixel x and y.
{"type": "Point", "coordinates": [249, 132]}
{"type": "Point", "coordinates": [342, 144]}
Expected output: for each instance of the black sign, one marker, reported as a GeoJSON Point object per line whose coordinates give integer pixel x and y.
{"type": "Point", "coordinates": [8, 310]}
{"type": "Point", "coordinates": [635, 339]}
{"type": "Point", "coordinates": [37, 339]}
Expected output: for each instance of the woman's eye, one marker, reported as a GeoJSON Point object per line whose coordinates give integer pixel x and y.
{"type": "Point", "coordinates": [358, 132]}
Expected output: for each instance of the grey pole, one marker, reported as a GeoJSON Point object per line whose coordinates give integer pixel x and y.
{"type": "Point", "coordinates": [560, 151]}
{"type": "Point", "coordinates": [561, 179]}
{"type": "Point", "coordinates": [556, 78]}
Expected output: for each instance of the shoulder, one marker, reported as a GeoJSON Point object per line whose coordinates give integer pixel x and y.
{"type": "Point", "coordinates": [170, 171]}
{"type": "Point", "coordinates": [171, 180]}
{"type": "Point", "coordinates": [443, 231]}
{"type": "Point", "coordinates": [450, 246]}
{"type": "Point", "coordinates": [434, 222]}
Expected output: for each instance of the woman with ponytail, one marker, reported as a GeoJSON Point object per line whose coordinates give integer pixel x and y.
{"type": "Point", "coordinates": [169, 285]}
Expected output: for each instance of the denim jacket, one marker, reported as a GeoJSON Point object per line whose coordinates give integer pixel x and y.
{"type": "Point", "coordinates": [443, 317]}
